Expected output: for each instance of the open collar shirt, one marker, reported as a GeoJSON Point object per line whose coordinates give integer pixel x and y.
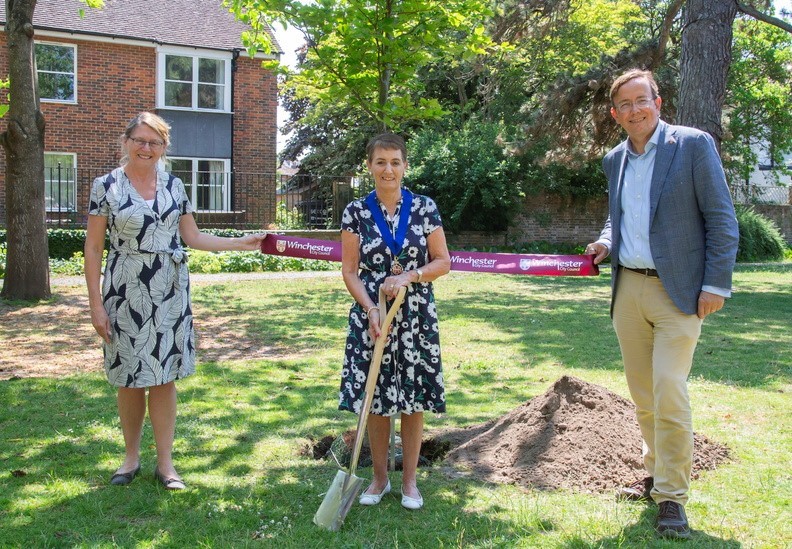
{"type": "Point", "coordinates": [635, 250]}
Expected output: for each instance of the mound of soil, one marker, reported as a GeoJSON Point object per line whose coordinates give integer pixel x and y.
{"type": "Point", "coordinates": [576, 436]}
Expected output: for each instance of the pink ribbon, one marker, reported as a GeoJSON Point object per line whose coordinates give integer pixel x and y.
{"type": "Point", "coordinates": [477, 262]}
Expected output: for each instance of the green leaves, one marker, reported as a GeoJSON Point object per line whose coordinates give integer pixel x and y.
{"type": "Point", "coordinates": [758, 104]}
{"type": "Point", "coordinates": [4, 84]}
{"type": "Point", "coordinates": [476, 184]}
{"type": "Point", "coordinates": [366, 54]}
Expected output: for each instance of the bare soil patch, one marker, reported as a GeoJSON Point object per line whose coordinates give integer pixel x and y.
{"type": "Point", "coordinates": [57, 339]}
{"type": "Point", "coordinates": [576, 436]}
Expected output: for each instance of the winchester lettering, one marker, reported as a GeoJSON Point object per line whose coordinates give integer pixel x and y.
{"type": "Point", "coordinates": [313, 249]}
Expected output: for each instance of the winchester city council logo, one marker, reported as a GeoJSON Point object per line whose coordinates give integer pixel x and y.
{"type": "Point", "coordinates": [280, 245]}
{"type": "Point", "coordinates": [525, 264]}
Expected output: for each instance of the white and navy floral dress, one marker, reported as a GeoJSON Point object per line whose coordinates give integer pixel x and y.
{"type": "Point", "coordinates": [146, 286]}
{"type": "Point", "coordinates": [411, 375]}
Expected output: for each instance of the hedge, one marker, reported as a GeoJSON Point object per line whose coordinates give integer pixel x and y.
{"type": "Point", "coordinates": [64, 243]}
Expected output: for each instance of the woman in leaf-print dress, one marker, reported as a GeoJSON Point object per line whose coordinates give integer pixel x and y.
{"type": "Point", "coordinates": [377, 253]}
{"type": "Point", "coordinates": [143, 312]}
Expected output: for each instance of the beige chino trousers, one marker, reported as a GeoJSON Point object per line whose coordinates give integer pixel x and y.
{"type": "Point", "coordinates": [657, 342]}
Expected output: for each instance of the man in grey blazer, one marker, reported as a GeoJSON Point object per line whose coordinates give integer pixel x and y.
{"type": "Point", "coordinates": [673, 236]}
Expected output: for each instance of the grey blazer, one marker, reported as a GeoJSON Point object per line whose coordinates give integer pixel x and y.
{"type": "Point", "coordinates": [693, 230]}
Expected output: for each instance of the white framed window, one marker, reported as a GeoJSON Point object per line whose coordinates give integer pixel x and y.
{"type": "Point", "coordinates": [56, 67]}
{"type": "Point", "coordinates": [190, 81]}
{"type": "Point", "coordinates": [207, 180]}
{"type": "Point", "coordinates": [60, 175]}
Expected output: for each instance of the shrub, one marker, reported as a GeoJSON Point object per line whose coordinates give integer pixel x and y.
{"type": "Point", "coordinates": [64, 243]}
{"type": "Point", "coordinates": [68, 267]}
{"type": "Point", "coordinates": [286, 219]}
{"type": "Point", "coordinates": [760, 238]}
{"type": "Point", "coordinates": [249, 262]}
{"type": "Point", "coordinates": [204, 262]}
{"type": "Point", "coordinates": [474, 182]}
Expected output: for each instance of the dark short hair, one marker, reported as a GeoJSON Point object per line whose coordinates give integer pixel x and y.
{"type": "Point", "coordinates": [632, 74]}
{"type": "Point", "coordinates": [388, 141]}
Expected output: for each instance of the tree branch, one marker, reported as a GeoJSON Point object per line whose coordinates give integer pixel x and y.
{"type": "Point", "coordinates": [769, 19]}
{"type": "Point", "coordinates": [665, 32]}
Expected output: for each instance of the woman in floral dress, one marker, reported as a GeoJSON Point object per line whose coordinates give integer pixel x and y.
{"type": "Point", "coordinates": [143, 312]}
{"type": "Point", "coordinates": [393, 238]}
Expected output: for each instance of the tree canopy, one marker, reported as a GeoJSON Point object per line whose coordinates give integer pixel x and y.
{"type": "Point", "coordinates": [366, 54]}
{"type": "Point", "coordinates": [539, 70]}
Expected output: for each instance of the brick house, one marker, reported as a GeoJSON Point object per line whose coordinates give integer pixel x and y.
{"type": "Point", "coordinates": [182, 59]}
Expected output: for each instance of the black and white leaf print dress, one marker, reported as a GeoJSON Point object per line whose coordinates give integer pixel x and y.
{"type": "Point", "coordinates": [411, 375]}
{"type": "Point", "coordinates": [146, 286]}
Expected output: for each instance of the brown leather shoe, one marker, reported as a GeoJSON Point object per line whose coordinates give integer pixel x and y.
{"type": "Point", "coordinates": [640, 490]}
{"type": "Point", "coordinates": [672, 521]}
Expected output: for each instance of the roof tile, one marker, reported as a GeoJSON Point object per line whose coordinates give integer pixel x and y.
{"type": "Point", "coordinates": [194, 23]}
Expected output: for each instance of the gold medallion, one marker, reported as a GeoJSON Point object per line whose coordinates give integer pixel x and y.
{"type": "Point", "coordinates": [396, 267]}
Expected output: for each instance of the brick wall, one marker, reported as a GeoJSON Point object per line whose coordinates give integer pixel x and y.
{"type": "Point", "coordinates": [781, 214]}
{"type": "Point", "coordinates": [115, 82]}
{"type": "Point", "coordinates": [560, 219]}
{"type": "Point", "coordinates": [255, 137]}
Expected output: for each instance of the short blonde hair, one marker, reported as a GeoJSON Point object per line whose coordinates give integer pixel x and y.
{"type": "Point", "coordinates": [156, 123]}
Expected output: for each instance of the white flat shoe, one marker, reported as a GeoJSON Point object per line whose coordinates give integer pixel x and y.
{"type": "Point", "coordinates": [412, 503]}
{"type": "Point", "coordinates": [374, 499]}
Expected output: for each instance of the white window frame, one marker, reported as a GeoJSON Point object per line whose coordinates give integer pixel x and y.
{"type": "Point", "coordinates": [73, 192]}
{"type": "Point", "coordinates": [74, 74]}
{"type": "Point", "coordinates": [226, 181]}
{"type": "Point", "coordinates": [195, 55]}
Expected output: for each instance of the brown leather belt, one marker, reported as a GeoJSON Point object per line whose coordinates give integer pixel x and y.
{"type": "Point", "coordinates": [645, 272]}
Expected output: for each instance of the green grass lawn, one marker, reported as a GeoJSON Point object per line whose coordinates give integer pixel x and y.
{"type": "Point", "coordinates": [243, 426]}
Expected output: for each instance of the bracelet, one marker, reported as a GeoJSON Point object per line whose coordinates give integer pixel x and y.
{"type": "Point", "coordinates": [420, 275]}
{"type": "Point", "coordinates": [368, 311]}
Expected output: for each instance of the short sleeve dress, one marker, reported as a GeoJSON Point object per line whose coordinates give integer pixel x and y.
{"type": "Point", "coordinates": [411, 375]}
{"type": "Point", "coordinates": [146, 288]}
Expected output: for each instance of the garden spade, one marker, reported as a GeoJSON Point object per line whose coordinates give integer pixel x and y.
{"type": "Point", "coordinates": [346, 486]}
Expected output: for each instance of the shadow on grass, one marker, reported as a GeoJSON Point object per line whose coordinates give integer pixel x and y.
{"type": "Point", "coordinates": [642, 534]}
{"type": "Point", "coordinates": [63, 499]}
{"type": "Point", "coordinates": [560, 320]}
{"type": "Point", "coordinates": [318, 321]}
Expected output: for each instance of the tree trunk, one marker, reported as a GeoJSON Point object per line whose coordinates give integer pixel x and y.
{"type": "Point", "coordinates": [27, 265]}
{"type": "Point", "coordinates": [704, 64]}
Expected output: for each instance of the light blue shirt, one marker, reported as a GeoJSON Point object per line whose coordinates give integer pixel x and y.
{"type": "Point", "coordinates": [635, 250]}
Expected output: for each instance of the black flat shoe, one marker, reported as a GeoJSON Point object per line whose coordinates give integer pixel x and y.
{"type": "Point", "coordinates": [169, 483]}
{"type": "Point", "coordinates": [122, 479]}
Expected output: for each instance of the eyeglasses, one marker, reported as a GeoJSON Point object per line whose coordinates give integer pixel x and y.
{"type": "Point", "coordinates": [627, 106]}
{"type": "Point", "coordinates": [142, 143]}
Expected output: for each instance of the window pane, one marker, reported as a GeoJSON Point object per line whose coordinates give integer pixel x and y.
{"type": "Point", "coordinates": [178, 68]}
{"type": "Point", "coordinates": [54, 58]}
{"type": "Point", "coordinates": [178, 94]}
{"type": "Point", "coordinates": [56, 86]}
{"type": "Point", "coordinates": [210, 96]}
{"type": "Point", "coordinates": [211, 185]}
{"type": "Point", "coordinates": [52, 160]}
{"type": "Point", "coordinates": [182, 168]}
{"type": "Point", "coordinates": [59, 178]}
{"type": "Point", "coordinates": [211, 71]}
